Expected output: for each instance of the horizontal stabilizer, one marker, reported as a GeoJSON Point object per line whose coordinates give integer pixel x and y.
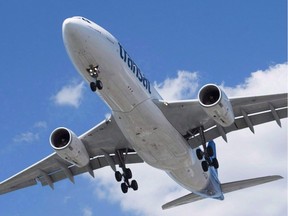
{"type": "Point", "coordinates": [226, 188]}
{"type": "Point", "coordinates": [238, 185]}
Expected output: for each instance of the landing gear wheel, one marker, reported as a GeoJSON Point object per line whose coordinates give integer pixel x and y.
{"type": "Point", "coordinates": [215, 163]}
{"type": "Point", "coordinates": [128, 173]}
{"type": "Point", "coordinates": [124, 187]}
{"type": "Point", "coordinates": [205, 166]}
{"type": "Point", "coordinates": [93, 86]}
{"type": "Point", "coordinates": [99, 85]}
{"type": "Point", "coordinates": [94, 73]}
{"type": "Point", "coordinates": [134, 185]}
{"type": "Point", "coordinates": [118, 176]}
{"type": "Point", "coordinates": [199, 154]}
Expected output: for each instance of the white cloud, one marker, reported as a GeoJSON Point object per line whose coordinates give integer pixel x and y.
{"type": "Point", "coordinates": [69, 95]}
{"type": "Point", "coordinates": [182, 87]}
{"type": "Point", "coordinates": [272, 80]}
{"type": "Point", "coordinates": [67, 199]}
{"type": "Point", "coordinates": [87, 212]}
{"type": "Point", "coordinates": [41, 124]}
{"type": "Point", "coordinates": [26, 137]}
{"type": "Point", "coordinates": [31, 135]}
{"type": "Point", "coordinates": [245, 156]}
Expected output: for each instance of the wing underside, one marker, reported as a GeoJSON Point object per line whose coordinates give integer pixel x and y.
{"type": "Point", "coordinates": [105, 139]}
{"type": "Point", "coordinates": [53, 169]}
{"type": "Point", "coordinates": [102, 143]}
{"type": "Point", "coordinates": [188, 116]}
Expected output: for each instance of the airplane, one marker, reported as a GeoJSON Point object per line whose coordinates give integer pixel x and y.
{"type": "Point", "coordinates": [173, 136]}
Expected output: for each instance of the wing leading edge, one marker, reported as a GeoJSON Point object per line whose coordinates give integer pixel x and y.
{"type": "Point", "coordinates": [226, 188]}
{"type": "Point", "coordinates": [102, 142]}
{"type": "Point", "coordinates": [188, 116]}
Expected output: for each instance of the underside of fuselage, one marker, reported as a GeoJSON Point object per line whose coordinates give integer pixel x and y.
{"type": "Point", "coordinates": [99, 57]}
{"type": "Point", "coordinates": [173, 136]}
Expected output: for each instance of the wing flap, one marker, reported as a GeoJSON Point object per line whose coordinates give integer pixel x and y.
{"type": "Point", "coordinates": [95, 163]}
{"type": "Point", "coordinates": [240, 123]}
{"type": "Point", "coordinates": [187, 115]}
{"type": "Point", "coordinates": [258, 103]}
{"type": "Point", "coordinates": [50, 167]}
{"type": "Point", "coordinates": [226, 188]}
{"type": "Point", "coordinates": [101, 141]}
{"type": "Point", "coordinates": [28, 176]}
{"type": "Point", "coordinates": [20, 185]}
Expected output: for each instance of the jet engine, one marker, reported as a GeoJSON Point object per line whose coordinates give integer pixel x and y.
{"type": "Point", "coordinates": [216, 104]}
{"type": "Point", "coordinates": [69, 147]}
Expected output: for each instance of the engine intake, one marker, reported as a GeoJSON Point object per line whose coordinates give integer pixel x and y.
{"type": "Point", "coordinates": [69, 147]}
{"type": "Point", "coordinates": [209, 95]}
{"type": "Point", "coordinates": [60, 138]}
{"type": "Point", "coordinates": [216, 104]}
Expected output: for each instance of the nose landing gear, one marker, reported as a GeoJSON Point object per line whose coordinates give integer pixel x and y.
{"type": "Point", "coordinates": [94, 73]}
{"type": "Point", "coordinates": [96, 85]}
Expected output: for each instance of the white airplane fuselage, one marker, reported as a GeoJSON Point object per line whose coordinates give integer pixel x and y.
{"type": "Point", "coordinates": [130, 96]}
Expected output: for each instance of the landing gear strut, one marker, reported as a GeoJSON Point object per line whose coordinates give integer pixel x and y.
{"type": "Point", "coordinates": [94, 72]}
{"type": "Point", "coordinates": [207, 153]}
{"type": "Point", "coordinates": [126, 174]}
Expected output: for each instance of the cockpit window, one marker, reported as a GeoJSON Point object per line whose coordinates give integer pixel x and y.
{"type": "Point", "coordinates": [86, 20]}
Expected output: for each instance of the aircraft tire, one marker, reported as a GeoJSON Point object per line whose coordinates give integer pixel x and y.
{"type": "Point", "coordinates": [215, 163]}
{"type": "Point", "coordinates": [128, 173]}
{"type": "Point", "coordinates": [124, 188]}
{"type": "Point", "coordinates": [118, 176]}
{"type": "Point", "coordinates": [205, 166]}
{"type": "Point", "coordinates": [93, 86]}
{"type": "Point", "coordinates": [134, 185]}
{"type": "Point", "coordinates": [99, 85]}
{"type": "Point", "coordinates": [199, 154]}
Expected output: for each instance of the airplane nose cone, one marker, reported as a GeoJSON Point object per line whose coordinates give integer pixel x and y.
{"type": "Point", "coordinates": [66, 22]}
{"type": "Point", "coordinates": [72, 32]}
{"type": "Point", "coordinates": [69, 27]}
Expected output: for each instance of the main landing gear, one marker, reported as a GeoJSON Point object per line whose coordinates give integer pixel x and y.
{"type": "Point", "coordinates": [210, 160]}
{"type": "Point", "coordinates": [126, 175]}
{"type": "Point", "coordinates": [208, 153]}
{"type": "Point", "coordinates": [94, 72]}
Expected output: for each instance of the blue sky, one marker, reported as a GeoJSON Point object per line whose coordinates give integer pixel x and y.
{"type": "Point", "coordinates": [187, 42]}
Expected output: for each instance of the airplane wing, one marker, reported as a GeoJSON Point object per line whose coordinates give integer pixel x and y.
{"type": "Point", "coordinates": [101, 143]}
{"type": "Point", "coordinates": [226, 188]}
{"type": "Point", "coordinates": [188, 115]}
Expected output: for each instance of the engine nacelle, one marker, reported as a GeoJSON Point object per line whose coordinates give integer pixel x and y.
{"type": "Point", "coordinates": [216, 104]}
{"type": "Point", "coordinates": [69, 147]}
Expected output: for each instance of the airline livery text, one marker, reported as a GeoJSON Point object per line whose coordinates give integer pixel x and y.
{"type": "Point", "coordinates": [134, 68]}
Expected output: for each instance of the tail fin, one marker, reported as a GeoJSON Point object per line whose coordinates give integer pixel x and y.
{"type": "Point", "coordinates": [226, 188]}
